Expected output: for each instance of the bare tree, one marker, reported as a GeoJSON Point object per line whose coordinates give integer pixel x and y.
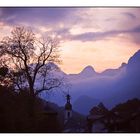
{"type": "Point", "coordinates": [28, 58]}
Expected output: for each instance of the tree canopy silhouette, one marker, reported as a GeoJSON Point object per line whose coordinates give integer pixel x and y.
{"type": "Point", "coordinates": [27, 56]}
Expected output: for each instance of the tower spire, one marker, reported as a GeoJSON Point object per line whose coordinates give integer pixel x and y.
{"type": "Point", "coordinates": [68, 108]}
{"type": "Point", "coordinates": [68, 98]}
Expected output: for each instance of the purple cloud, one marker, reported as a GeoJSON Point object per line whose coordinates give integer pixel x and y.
{"type": "Point", "coordinates": [41, 14]}
{"type": "Point", "coordinates": [130, 15]}
{"type": "Point", "coordinates": [93, 36]}
{"type": "Point", "coordinates": [51, 17]}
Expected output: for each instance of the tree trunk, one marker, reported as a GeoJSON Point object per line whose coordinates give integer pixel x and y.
{"type": "Point", "coordinates": [32, 104]}
{"type": "Point", "coordinates": [31, 109]}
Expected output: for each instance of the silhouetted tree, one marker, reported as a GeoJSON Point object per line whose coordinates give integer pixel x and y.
{"type": "Point", "coordinates": [3, 71]}
{"type": "Point", "coordinates": [27, 57]}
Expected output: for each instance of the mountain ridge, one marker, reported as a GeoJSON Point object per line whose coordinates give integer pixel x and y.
{"type": "Point", "coordinates": [110, 87]}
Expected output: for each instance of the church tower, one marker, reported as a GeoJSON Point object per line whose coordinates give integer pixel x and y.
{"type": "Point", "coordinates": [68, 108]}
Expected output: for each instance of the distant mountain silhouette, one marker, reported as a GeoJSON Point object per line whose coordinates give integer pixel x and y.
{"type": "Point", "coordinates": [84, 103]}
{"type": "Point", "coordinates": [133, 65]}
{"type": "Point", "coordinates": [114, 72]}
{"type": "Point", "coordinates": [110, 87]}
{"type": "Point", "coordinates": [88, 71]}
{"type": "Point", "coordinates": [128, 86]}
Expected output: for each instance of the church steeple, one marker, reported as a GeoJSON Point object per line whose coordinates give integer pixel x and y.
{"type": "Point", "coordinates": [68, 108]}
{"type": "Point", "coordinates": [68, 98]}
{"type": "Point", "coordinates": [68, 105]}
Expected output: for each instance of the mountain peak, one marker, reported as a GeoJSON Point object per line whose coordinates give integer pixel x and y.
{"type": "Point", "coordinates": [134, 62]}
{"type": "Point", "coordinates": [88, 70]}
{"type": "Point", "coordinates": [135, 57]}
{"type": "Point", "coordinates": [123, 65]}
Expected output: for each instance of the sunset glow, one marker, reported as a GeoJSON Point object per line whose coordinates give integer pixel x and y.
{"type": "Point", "coordinates": [100, 37]}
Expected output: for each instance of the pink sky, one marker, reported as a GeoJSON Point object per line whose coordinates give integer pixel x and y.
{"type": "Point", "coordinates": [100, 37]}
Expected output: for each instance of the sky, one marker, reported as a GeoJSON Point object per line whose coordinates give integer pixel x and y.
{"type": "Point", "coordinates": [100, 37]}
